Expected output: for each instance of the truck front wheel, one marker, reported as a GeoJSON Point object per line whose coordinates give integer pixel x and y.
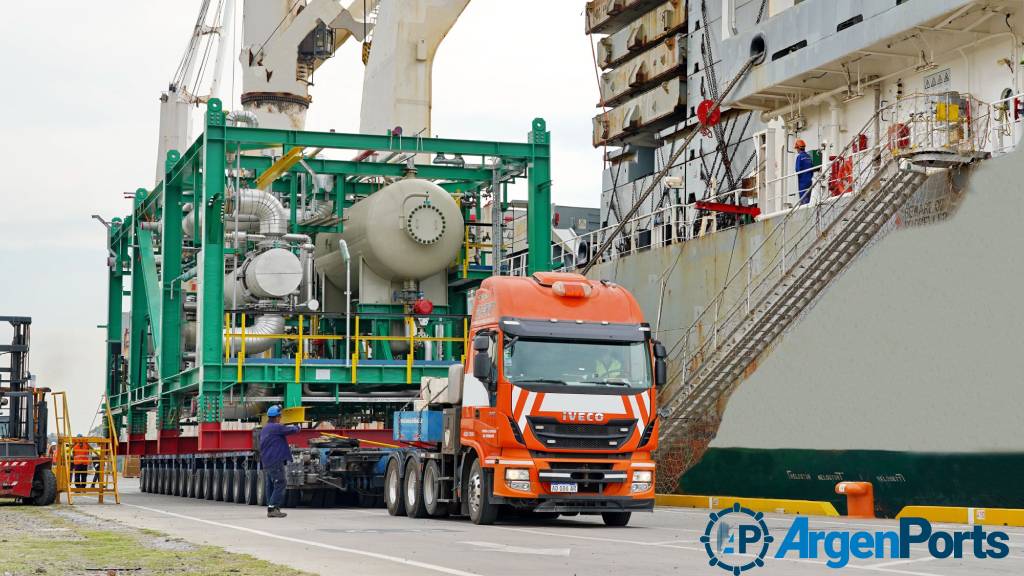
{"type": "Point", "coordinates": [393, 498]}
{"type": "Point", "coordinates": [481, 509]}
{"type": "Point", "coordinates": [615, 518]}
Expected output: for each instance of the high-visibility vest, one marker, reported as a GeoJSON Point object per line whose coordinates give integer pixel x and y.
{"type": "Point", "coordinates": [80, 454]}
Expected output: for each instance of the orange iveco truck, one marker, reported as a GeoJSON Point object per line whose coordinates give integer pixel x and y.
{"type": "Point", "coordinates": [554, 412]}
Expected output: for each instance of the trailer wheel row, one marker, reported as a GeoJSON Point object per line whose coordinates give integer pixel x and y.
{"type": "Point", "coordinates": [238, 477]}
{"type": "Point", "coordinates": [224, 478]}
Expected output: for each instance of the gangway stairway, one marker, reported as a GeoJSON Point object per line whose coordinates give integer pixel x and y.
{"type": "Point", "coordinates": [100, 479]}
{"type": "Point", "coordinates": [778, 283]}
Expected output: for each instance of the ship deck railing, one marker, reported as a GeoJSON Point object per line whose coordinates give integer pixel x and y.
{"type": "Point", "coordinates": [917, 124]}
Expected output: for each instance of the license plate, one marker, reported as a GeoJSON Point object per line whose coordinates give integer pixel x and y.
{"type": "Point", "coordinates": [563, 487]}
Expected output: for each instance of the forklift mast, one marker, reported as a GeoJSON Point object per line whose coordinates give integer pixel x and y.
{"type": "Point", "coordinates": [23, 409]}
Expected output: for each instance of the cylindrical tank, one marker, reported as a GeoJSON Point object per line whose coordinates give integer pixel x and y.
{"type": "Point", "coordinates": [275, 273]}
{"type": "Point", "coordinates": [408, 230]}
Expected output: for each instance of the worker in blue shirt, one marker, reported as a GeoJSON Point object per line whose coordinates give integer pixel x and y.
{"type": "Point", "coordinates": [274, 454]}
{"type": "Point", "coordinates": [804, 171]}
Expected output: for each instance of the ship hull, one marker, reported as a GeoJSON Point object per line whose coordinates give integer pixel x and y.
{"type": "Point", "coordinates": [907, 372]}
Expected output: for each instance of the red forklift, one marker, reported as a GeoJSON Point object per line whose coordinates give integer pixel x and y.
{"type": "Point", "coordinates": [26, 470]}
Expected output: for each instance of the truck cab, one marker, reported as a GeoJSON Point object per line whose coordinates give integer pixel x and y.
{"type": "Point", "coordinates": [558, 405]}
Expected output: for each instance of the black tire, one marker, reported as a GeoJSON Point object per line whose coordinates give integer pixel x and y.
{"type": "Point", "coordinates": [394, 498]}
{"type": "Point", "coordinates": [144, 480]}
{"type": "Point", "coordinates": [478, 492]}
{"type": "Point", "coordinates": [184, 482]}
{"type": "Point", "coordinates": [331, 498]}
{"type": "Point", "coordinates": [414, 490]}
{"type": "Point", "coordinates": [164, 483]}
{"type": "Point", "coordinates": [209, 483]}
{"type": "Point", "coordinates": [261, 488]}
{"type": "Point", "coordinates": [239, 486]}
{"type": "Point", "coordinates": [227, 485]}
{"type": "Point", "coordinates": [201, 483]}
{"type": "Point", "coordinates": [218, 484]}
{"type": "Point", "coordinates": [250, 487]}
{"type": "Point", "coordinates": [190, 481]}
{"type": "Point", "coordinates": [432, 490]}
{"type": "Point", "coordinates": [317, 498]}
{"type": "Point", "coordinates": [615, 518]}
{"type": "Point", "coordinates": [292, 497]}
{"type": "Point", "coordinates": [175, 482]}
{"type": "Point", "coordinates": [44, 488]}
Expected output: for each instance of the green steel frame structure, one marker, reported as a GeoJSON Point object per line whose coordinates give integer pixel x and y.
{"type": "Point", "coordinates": [158, 260]}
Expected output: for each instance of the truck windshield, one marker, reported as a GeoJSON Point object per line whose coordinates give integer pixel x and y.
{"type": "Point", "coordinates": [558, 362]}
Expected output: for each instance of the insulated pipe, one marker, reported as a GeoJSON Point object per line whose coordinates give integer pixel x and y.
{"type": "Point", "coordinates": [272, 215]}
{"type": "Point", "coordinates": [347, 258]}
{"type": "Point", "coordinates": [264, 326]}
{"type": "Point", "coordinates": [236, 117]}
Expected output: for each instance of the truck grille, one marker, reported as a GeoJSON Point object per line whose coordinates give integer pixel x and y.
{"type": "Point", "coordinates": [606, 436]}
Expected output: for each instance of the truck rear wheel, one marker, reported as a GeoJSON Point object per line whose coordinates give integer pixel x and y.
{"type": "Point", "coordinates": [481, 509]}
{"type": "Point", "coordinates": [615, 518]}
{"type": "Point", "coordinates": [393, 498]}
{"type": "Point", "coordinates": [432, 490]}
{"type": "Point", "coordinates": [414, 491]}
{"type": "Point", "coordinates": [44, 488]}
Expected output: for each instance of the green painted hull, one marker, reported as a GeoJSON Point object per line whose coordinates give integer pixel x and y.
{"type": "Point", "coordinates": [982, 480]}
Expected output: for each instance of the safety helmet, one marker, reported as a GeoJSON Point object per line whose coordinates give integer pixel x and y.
{"type": "Point", "coordinates": [274, 411]}
{"type": "Point", "coordinates": [800, 143]}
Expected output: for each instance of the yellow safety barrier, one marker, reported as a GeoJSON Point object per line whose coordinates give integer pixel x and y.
{"type": "Point", "coordinates": [301, 337]}
{"type": "Point", "coordinates": [965, 515]}
{"type": "Point", "coordinates": [772, 505]}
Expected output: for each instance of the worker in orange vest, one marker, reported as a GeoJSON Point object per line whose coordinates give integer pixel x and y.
{"type": "Point", "coordinates": [80, 460]}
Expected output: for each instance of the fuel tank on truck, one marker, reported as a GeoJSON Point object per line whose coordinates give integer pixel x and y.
{"type": "Point", "coordinates": [408, 231]}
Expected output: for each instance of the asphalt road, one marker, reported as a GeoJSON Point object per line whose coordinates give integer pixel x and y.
{"type": "Point", "coordinates": [370, 542]}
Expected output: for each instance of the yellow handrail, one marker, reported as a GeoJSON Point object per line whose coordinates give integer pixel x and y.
{"type": "Point", "coordinates": [301, 337]}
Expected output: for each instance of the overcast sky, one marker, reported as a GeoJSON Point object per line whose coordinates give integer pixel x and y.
{"type": "Point", "coordinates": [79, 127]}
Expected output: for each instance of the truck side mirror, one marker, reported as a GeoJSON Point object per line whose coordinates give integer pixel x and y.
{"type": "Point", "coordinates": [660, 369]}
{"type": "Point", "coordinates": [482, 366]}
{"type": "Point", "coordinates": [481, 342]}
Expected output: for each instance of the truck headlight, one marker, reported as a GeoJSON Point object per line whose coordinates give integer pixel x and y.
{"type": "Point", "coordinates": [517, 474]}
{"type": "Point", "coordinates": [641, 481]}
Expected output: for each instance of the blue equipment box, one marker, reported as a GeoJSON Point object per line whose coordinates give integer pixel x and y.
{"type": "Point", "coordinates": [422, 426]}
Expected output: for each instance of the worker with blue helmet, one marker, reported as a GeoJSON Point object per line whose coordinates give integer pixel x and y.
{"type": "Point", "coordinates": [274, 454]}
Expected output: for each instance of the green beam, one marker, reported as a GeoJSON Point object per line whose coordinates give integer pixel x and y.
{"type": "Point", "coordinates": [171, 251]}
{"type": "Point", "coordinates": [350, 168]}
{"type": "Point", "coordinates": [118, 253]}
{"type": "Point", "coordinates": [210, 340]}
{"type": "Point", "coordinates": [251, 138]}
{"type": "Point", "coordinates": [147, 261]}
{"type": "Point", "coordinates": [538, 215]}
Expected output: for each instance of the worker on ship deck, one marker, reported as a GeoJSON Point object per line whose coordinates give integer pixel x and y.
{"type": "Point", "coordinates": [804, 171]}
{"type": "Point", "coordinates": [274, 454]}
